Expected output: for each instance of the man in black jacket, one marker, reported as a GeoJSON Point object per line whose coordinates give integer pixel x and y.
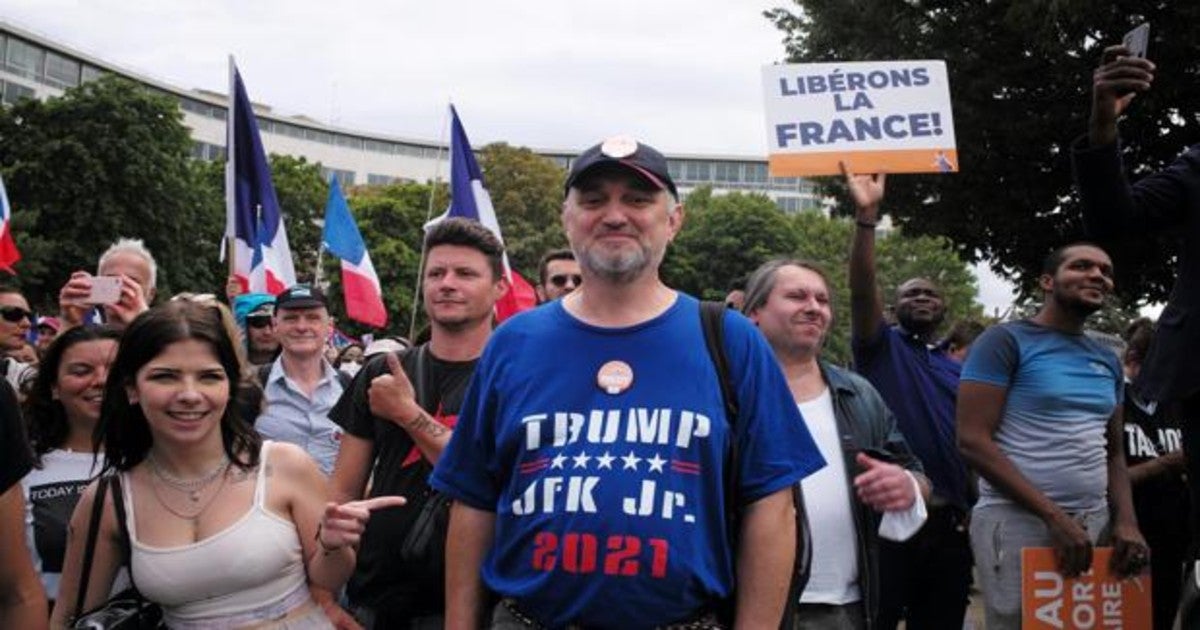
{"type": "Point", "coordinates": [871, 471]}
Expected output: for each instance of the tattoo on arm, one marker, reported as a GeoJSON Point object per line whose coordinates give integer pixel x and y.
{"type": "Point", "coordinates": [424, 424]}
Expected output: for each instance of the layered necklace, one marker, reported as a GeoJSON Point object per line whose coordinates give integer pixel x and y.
{"type": "Point", "coordinates": [193, 488]}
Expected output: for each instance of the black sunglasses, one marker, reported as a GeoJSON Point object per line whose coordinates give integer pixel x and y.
{"type": "Point", "coordinates": [560, 280]}
{"type": "Point", "coordinates": [258, 322]}
{"type": "Point", "coordinates": [14, 314]}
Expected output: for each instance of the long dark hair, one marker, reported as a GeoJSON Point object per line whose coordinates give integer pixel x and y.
{"type": "Point", "coordinates": [47, 420]}
{"type": "Point", "coordinates": [123, 428]}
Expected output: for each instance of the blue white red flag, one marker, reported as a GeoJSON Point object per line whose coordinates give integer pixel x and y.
{"type": "Point", "coordinates": [360, 283]}
{"type": "Point", "coordinates": [8, 247]}
{"type": "Point", "coordinates": [469, 199]}
{"type": "Point", "coordinates": [253, 220]}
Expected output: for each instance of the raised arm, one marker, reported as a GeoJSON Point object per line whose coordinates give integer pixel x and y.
{"type": "Point", "coordinates": [392, 398]}
{"type": "Point", "coordinates": [866, 304]}
{"type": "Point", "coordinates": [1114, 84]}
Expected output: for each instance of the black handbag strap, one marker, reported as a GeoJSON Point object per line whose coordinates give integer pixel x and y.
{"type": "Point", "coordinates": [89, 551]}
{"type": "Point", "coordinates": [123, 528]}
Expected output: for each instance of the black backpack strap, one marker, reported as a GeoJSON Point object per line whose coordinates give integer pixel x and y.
{"type": "Point", "coordinates": [89, 550]}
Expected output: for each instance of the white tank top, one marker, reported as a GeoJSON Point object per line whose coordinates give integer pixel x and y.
{"type": "Point", "coordinates": [255, 563]}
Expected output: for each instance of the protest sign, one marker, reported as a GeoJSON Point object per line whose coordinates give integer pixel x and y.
{"type": "Point", "coordinates": [877, 116]}
{"type": "Point", "coordinates": [1095, 599]}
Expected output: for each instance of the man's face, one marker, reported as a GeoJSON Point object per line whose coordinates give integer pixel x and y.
{"type": "Point", "coordinates": [562, 277]}
{"type": "Point", "coordinates": [1082, 281]}
{"type": "Point", "coordinates": [618, 224]}
{"type": "Point", "coordinates": [132, 265]}
{"type": "Point", "coordinates": [919, 306]}
{"type": "Point", "coordinates": [797, 314]}
{"type": "Point", "coordinates": [302, 331]}
{"type": "Point", "coordinates": [14, 321]}
{"type": "Point", "coordinates": [459, 288]}
{"type": "Point", "coordinates": [260, 331]}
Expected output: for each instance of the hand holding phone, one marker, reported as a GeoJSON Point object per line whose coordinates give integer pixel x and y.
{"type": "Point", "coordinates": [105, 290]}
{"type": "Point", "coordinates": [1138, 40]}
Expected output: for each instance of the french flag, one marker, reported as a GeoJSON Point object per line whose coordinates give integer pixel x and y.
{"type": "Point", "coordinates": [253, 221]}
{"type": "Point", "coordinates": [360, 283]}
{"type": "Point", "coordinates": [8, 247]}
{"type": "Point", "coordinates": [470, 200]}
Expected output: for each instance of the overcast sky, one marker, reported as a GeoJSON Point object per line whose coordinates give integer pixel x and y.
{"type": "Point", "coordinates": [552, 74]}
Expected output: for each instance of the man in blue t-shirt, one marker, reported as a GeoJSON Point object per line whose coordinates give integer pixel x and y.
{"type": "Point", "coordinates": [926, 579]}
{"type": "Point", "coordinates": [1039, 418]}
{"type": "Point", "coordinates": [591, 487]}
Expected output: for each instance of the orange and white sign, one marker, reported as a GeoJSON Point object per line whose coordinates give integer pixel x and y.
{"type": "Point", "coordinates": [877, 116]}
{"type": "Point", "coordinates": [1096, 599]}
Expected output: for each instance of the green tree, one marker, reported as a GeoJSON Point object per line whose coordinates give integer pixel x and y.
{"type": "Point", "coordinates": [1019, 79]}
{"type": "Point", "coordinates": [302, 193]}
{"type": "Point", "coordinates": [526, 191]}
{"type": "Point", "coordinates": [725, 238]}
{"type": "Point", "coordinates": [107, 159]}
{"type": "Point", "coordinates": [728, 236]}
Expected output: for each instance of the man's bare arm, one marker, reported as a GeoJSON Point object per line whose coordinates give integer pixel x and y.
{"type": "Point", "coordinates": [980, 409]}
{"type": "Point", "coordinates": [467, 543]}
{"type": "Point", "coordinates": [765, 560]}
{"type": "Point", "coordinates": [866, 304]}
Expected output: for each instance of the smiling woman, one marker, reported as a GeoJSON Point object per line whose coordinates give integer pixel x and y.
{"type": "Point", "coordinates": [62, 410]}
{"type": "Point", "coordinates": [224, 530]}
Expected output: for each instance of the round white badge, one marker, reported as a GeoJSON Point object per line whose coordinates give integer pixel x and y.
{"type": "Point", "coordinates": [619, 147]}
{"type": "Point", "coordinates": [614, 377]}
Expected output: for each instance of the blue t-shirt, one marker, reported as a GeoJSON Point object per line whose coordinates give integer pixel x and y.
{"type": "Point", "coordinates": [920, 386]}
{"type": "Point", "coordinates": [1062, 390]}
{"type": "Point", "coordinates": [610, 508]}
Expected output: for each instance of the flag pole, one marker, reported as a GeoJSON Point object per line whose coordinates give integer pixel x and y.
{"type": "Point", "coordinates": [230, 177]}
{"type": "Point", "coordinates": [317, 271]}
{"type": "Point", "coordinates": [437, 175]}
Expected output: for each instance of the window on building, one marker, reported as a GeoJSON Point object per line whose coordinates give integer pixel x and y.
{"type": "Point", "coordinates": [374, 179]}
{"type": "Point", "coordinates": [697, 171]}
{"type": "Point", "coordinates": [14, 92]}
{"type": "Point", "coordinates": [755, 173]}
{"type": "Point", "coordinates": [318, 136]}
{"type": "Point", "coordinates": [24, 59]}
{"type": "Point", "coordinates": [90, 73]}
{"type": "Point", "coordinates": [789, 205]}
{"type": "Point", "coordinates": [675, 169]}
{"type": "Point", "coordinates": [61, 71]}
{"type": "Point", "coordinates": [344, 178]}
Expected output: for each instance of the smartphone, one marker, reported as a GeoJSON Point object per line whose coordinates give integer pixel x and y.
{"type": "Point", "coordinates": [105, 290]}
{"type": "Point", "coordinates": [1138, 40]}
{"type": "Point", "coordinates": [877, 454]}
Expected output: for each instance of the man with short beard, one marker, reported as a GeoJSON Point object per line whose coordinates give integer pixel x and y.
{"type": "Point", "coordinates": [590, 485]}
{"type": "Point", "coordinates": [1040, 420]}
{"type": "Point", "coordinates": [399, 414]}
{"type": "Point", "coordinates": [926, 579]}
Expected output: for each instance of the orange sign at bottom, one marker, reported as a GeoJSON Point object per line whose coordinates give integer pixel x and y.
{"type": "Point", "coordinates": [1096, 599]}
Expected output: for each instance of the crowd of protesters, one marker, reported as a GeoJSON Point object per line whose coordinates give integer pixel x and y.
{"type": "Point", "coordinates": [622, 455]}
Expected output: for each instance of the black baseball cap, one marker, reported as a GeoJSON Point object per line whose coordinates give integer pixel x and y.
{"type": "Point", "coordinates": [624, 150]}
{"type": "Point", "coordinates": [301, 296]}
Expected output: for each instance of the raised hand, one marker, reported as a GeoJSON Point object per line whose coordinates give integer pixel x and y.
{"type": "Point", "coordinates": [391, 395]}
{"type": "Point", "coordinates": [1114, 84]}
{"type": "Point", "coordinates": [866, 191]}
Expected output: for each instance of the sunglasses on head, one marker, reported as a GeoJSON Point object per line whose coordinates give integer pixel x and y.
{"type": "Point", "coordinates": [560, 280]}
{"type": "Point", "coordinates": [14, 314]}
{"type": "Point", "coordinates": [260, 321]}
